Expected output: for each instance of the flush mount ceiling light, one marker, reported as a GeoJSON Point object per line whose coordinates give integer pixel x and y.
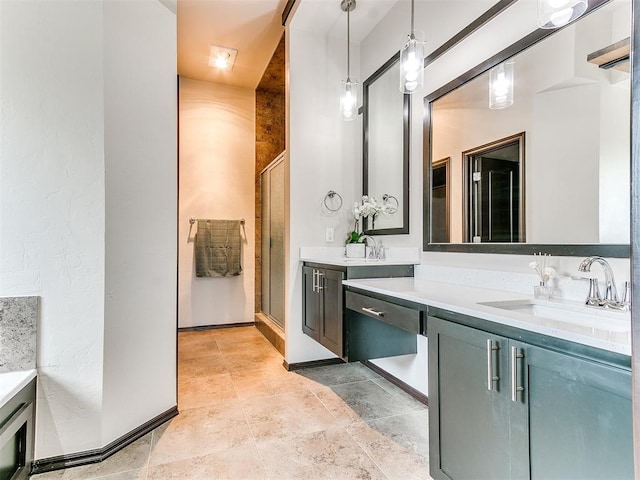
{"type": "Point", "coordinates": [222, 57]}
{"type": "Point", "coordinates": [556, 13]}
{"type": "Point", "coordinates": [412, 62]}
{"type": "Point", "coordinates": [501, 86]}
{"type": "Point", "coordinates": [349, 90]}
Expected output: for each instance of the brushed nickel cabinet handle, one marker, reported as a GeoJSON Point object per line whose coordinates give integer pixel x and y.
{"type": "Point", "coordinates": [320, 281]}
{"type": "Point", "coordinates": [315, 281]}
{"type": "Point", "coordinates": [490, 376]}
{"type": "Point", "coordinates": [373, 312]}
{"type": "Point", "coordinates": [515, 388]}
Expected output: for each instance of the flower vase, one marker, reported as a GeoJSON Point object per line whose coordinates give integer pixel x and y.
{"type": "Point", "coordinates": [355, 250]}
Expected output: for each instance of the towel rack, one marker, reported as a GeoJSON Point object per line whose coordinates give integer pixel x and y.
{"type": "Point", "coordinates": [193, 220]}
{"type": "Point", "coordinates": [331, 195]}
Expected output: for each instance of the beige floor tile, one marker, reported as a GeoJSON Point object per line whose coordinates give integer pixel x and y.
{"type": "Point", "coordinates": [399, 445]}
{"type": "Point", "coordinates": [196, 344]}
{"type": "Point", "coordinates": [200, 431]}
{"type": "Point", "coordinates": [270, 379]}
{"type": "Point", "coordinates": [130, 475]}
{"type": "Point", "coordinates": [213, 364]}
{"type": "Point", "coordinates": [327, 454]}
{"type": "Point", "coordinates": [286, 414]}
{"type": "Point", "coordinates": [250, 359]}
{"type": "Point", "coordinates": [233, 464]}
{"type": "Point", "coordinates": [194, 391]}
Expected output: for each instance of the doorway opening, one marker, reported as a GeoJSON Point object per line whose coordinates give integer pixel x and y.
{"type": "Point", "coordinates": [494, 191]}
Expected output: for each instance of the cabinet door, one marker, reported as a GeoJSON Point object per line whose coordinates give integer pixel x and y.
{"type": "Point", "coordinates": [331, 328]}
{"type": "Point", "coordinates": [573, 416]}
{"type": "Point", "coordinates": [468, 421]}
{"type": "Point", "coordinates": [312, 303]}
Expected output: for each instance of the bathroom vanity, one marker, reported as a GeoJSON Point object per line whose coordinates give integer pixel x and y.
{"type": "Point", "coordinates": [520, 388]}
{"type": "Point", "coordinates": [324, 300]}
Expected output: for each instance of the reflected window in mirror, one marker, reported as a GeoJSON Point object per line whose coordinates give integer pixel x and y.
{"type": "Point", "coordinates": [386, 149]}
{"type": "Point", "coordinates": [574, 188]}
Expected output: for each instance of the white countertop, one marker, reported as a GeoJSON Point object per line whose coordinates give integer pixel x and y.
{"type": "Point", "coordinates": [357, 262]}
{"type": "Point", "coordinates": [335, 256]}
{"type": "Point", "coordinates": [12, 382]}
{"type": "Point", "coordinates": [612, 331]}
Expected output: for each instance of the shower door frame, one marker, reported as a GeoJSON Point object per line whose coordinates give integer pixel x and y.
{"type": "Point", "coordinates": [266, 233]}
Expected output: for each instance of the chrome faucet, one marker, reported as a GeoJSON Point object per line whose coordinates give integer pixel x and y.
{"type": "Point", "coordinates": [610, 290]}
{"type": "Point", "coordinates": [373, 252]}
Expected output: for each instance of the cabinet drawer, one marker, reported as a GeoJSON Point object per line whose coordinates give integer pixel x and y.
{"type": "Point", "coordinates": [402, 317]}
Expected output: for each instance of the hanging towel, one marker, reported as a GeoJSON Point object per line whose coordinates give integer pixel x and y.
{"type": "Point", "coordinates": [218, 248]}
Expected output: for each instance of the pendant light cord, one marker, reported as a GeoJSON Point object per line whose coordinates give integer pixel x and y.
{"type": "Point", "coordinates": [412, 7]}
{"type": "Point", "coordinates": [348, 35]}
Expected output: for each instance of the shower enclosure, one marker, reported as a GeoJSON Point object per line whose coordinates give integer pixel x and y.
{"type": "Point", "coordinates": [272, 187]}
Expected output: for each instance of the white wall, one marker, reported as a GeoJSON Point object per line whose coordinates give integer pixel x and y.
{"type": "Point", "coordinates": [440, 20]}
{"type": "Point", "coordinates": [323, 154]}
{"type": "Point", "coordinates": [55, 60]}
{"type": "Point", "coordinates": [140, 162]}
{"type": "Point", "coordinates": [52, 205]}
{"type": "Point", "coordinates": [217, 171]}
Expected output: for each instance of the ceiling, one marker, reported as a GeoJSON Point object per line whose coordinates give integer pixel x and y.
{"type": "Point", "coordinates": [253, 27]}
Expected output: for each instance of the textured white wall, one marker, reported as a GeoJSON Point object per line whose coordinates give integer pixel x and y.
{"type": "Point", "coordinates": [324, 154]}
{"type": "Point", "coordinates": [217, 163]}
{"type": "Point", "coordinates": [140, 92]}
{"type": "Point", "coordinates": [59, 63]}
{"type": "Point", "coordinates": [52, 204]}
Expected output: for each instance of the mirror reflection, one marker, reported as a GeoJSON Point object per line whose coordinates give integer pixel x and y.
{"type": "Point", "coordinates": [386, 148]}
{"type": "Point", "coordinates": [551, 168]}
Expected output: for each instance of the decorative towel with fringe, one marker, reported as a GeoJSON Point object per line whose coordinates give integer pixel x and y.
{"type": "Point", "coordinates": [218, 248]}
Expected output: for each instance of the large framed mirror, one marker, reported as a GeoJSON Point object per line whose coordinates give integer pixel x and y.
{"type": "Point", "coordinates": [386, 113]}
{"type": "Point", "coordinates": [549, 173]}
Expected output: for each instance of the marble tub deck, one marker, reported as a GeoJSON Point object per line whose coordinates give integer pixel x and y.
{"type": "Point", "coordinates": [242, 416]}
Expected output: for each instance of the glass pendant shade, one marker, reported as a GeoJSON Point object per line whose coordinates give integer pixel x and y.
{"type": "Point", "coordinates": [556, 13]}
{"type": "Point", "coordinates": [501, 86]}
{"type": "Point", "coordinates": [349, 99]}
{"type": "Point", "coordinates": [412, 66]}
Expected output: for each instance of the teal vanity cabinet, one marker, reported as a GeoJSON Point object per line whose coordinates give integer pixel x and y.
{"type": "Point", "coordinates": [322, 306]}
{"type": "Point", "coordinates": [508, 404]}
{"type": "Point", "coordinates": [323, 317]}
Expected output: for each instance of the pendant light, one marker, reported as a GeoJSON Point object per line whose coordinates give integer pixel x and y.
{"type": "Point", "coordinates": [412, 62]}
{"type": "Point", "coordinates": [349, 91]}
{"type": "Point", "coordinates": [501, 86]}
{"type": "Point", "coordinates": [556, 13]}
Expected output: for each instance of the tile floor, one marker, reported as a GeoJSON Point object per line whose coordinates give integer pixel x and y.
{"type": "Point", "coordinates": [243, 416]}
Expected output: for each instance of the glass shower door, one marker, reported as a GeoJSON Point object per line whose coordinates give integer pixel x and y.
{"type": "Point", "coordinates": [273, 241]}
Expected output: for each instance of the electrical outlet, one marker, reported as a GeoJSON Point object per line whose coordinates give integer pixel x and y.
{"type": "Point", "coordinates": [329, 234]}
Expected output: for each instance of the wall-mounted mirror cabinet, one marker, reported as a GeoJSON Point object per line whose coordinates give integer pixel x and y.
{"type": "Point", "coordinates": [551, 171]}
{"type": "Point", "coordinates": [386, 148]}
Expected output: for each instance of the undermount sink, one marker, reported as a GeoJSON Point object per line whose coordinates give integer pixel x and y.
{"type": "Point", "coordinates": [590, 317]}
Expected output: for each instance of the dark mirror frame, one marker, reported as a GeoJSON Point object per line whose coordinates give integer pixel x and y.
{"type": "Point", "coordinates": [406, 129]}
{"type": "Point", "coordinates": [605, 250]}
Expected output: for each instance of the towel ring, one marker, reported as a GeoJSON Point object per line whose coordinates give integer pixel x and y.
{"type": "Point", "coordinates": [386, 197]}
{"type": "Point", "coordinates": [330, 195]}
